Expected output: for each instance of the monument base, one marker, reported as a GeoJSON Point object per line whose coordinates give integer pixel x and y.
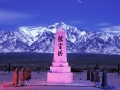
{"type": "Point", "coordinates": [60, 69]}
{"type": "Point", "coordinates": [59, 77]}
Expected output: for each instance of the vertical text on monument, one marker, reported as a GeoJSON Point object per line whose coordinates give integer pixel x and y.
{"type": "Point", "coordinates": [60, 40]}
{"type": "Point", "coordinates": [60, 54]}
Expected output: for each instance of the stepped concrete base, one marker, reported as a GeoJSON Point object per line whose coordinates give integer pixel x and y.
{"type": "Point", "coordinates": [59, 77]}
{"type": "Point", "coordinates": [60, 69]}
{"type": "Point", "coordinates": [59, 64]}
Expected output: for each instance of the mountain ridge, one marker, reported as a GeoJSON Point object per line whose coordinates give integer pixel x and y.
{"type": "Point", "coordinates": [41, 40]}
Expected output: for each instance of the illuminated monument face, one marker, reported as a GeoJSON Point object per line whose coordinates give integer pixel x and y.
{"type": "Point", "coordinates": [60, 70]}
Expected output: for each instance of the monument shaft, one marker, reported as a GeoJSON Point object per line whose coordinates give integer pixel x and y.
{"type": "Point", "coordinates": [60, 54]}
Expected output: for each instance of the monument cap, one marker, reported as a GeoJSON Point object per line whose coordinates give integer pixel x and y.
{"type": "Point", "coordinates": [60, 29]}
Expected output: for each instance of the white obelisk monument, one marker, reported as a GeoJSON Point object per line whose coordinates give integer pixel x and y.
{"type": "Point", "coordinates": [60, 71]}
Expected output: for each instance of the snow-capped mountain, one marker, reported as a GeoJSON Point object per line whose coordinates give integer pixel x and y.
{"type": "Point", "coordinates": [41, 39]}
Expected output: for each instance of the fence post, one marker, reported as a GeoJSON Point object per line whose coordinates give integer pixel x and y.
{"type": "Point", "coordinates": [88, 74]}
{"type": "Point", "coordinates": [118, 69]}
{"type": "Point", "coordinates": [15, 77]}
{"type": "Point", "coordinates": [104, 79]}
{"type": "Point", "coordinates": [92, 75]}
{"type": "Point", "coordinates": [9, 67]}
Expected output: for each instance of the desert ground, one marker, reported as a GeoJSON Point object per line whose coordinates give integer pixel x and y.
{"type": "Point", "coordinates": [40, 65]}
{"type": "Point", "coordinates": [38, 78]}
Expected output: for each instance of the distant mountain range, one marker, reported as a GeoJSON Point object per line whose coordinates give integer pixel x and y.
{"type": "Point", "coordinates": [41, 39]}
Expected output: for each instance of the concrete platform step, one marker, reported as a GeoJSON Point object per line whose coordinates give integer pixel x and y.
{"type": "Point", "coordinates": [44, 83]}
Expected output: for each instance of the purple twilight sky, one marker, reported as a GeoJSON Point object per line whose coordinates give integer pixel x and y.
{"type": "Point", "coordinates": [89, 15]}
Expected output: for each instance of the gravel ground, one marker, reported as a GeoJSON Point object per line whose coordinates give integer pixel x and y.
{"type": "Point", "coordinates": [113, 79]}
